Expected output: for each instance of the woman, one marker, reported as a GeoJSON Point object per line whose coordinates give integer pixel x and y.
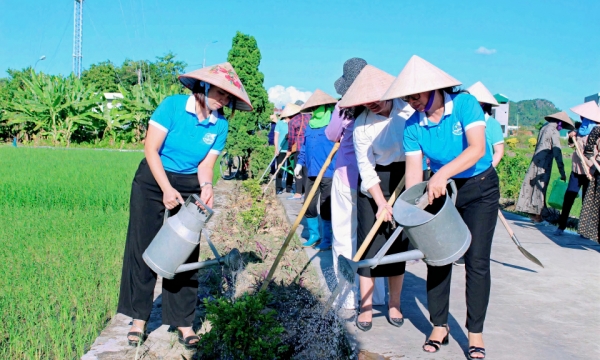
{"type": "Point", "coordinates": [532, 197]}
{"type": "Point", "coordinates": [380, 159]}
{"type": "Point", "coordinates": [449, 128]}
{"type": "Point", "coordinates": [493, 131]}
{"type": "Point", "coordinates": [589, 221]}
{"type": "Point", "coordinates": [185, 137]}
{"type": "Point", "coordinates": [282, 149]}
{"type": "Point", "coordinates": [578, 179]}
{"type": "Point", "coordinates": [315, 150]}
{"type": "Point", "coordinates": [296, 129]}
{"type": "Point", "coordinates": [271, 138]}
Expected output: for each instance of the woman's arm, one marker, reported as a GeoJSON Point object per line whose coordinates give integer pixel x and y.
{"type": "Point", "coordinates": [414, 170]}
{"type": "Point", "coordinates": [498, 154]}
{"type": "Point", "coordinates": [336, 126]}
{"type": "Point", "coordinates": [557, 152]}
{"type": "Point", "coordinates": [276, 141]}
{"type": "Point", "coordinates": [469, 157]}
{"type": "Point", "coordinates": [154, 140]}
{"type": "Point", "coordinates": [205, 175]}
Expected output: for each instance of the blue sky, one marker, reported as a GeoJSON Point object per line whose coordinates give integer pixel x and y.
{"type": "Point", "coordinates": [541, 49]}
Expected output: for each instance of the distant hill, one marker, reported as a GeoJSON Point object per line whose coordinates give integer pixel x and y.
{"type": "Point", "coordinates": [531, 112]}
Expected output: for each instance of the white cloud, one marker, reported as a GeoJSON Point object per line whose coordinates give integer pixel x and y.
{"type": "Point", "coordinates": [280, 95]}
{"type": "Point", "coordinates": [485, 51]}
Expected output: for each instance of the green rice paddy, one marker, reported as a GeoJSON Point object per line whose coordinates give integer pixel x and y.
{"type": "Point", "coordinates": [63, 219]}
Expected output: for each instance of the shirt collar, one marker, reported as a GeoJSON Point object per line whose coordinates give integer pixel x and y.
{"type": "Point", "coordinates": [448, 107]}
{"type": "Point", "coordinates": [190, 106]}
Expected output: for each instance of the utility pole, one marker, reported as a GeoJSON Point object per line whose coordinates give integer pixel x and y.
{"type": "Point", "coordinates": [77, 36]}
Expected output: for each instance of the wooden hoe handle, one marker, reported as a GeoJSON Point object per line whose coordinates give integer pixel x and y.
{"type": "Point", "coordinates": [307, 200]}
{"type": "Point", "coordinates": [378, 223]}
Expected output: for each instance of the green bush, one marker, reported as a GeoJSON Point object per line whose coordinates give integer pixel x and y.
{"type": "Point", "coordinates": [511, 171]}
{"type": "Point", "coordinates": [243, 328]}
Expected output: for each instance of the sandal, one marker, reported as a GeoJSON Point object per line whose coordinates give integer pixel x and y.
{"type": "Point", "coordinates": [188, 341]}
{"type": "Point", "coordinates": [141, 336]}
{"type": "Point", "coordinates": [476, 349]}
{"type": "Point", "coordinates": [437, 344]}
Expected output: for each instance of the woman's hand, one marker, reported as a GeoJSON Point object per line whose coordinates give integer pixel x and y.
{"type": "Point", "coordinates": [384, 206]}
{"type": "Point", "coordinates": [207, 195]}
{"type": "Point", "coordinates": [436, 186]}
{"type": "Point", "coordinates": [172, 198]}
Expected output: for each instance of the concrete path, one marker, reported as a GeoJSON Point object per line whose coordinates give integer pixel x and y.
{"type": "Point", "coordinates": [534, 313]}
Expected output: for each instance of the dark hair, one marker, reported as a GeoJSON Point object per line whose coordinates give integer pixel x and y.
{"type": "Point", "coordinates": [453, 90]}
{"type": "Point", "coordinates": [352, 112]}
{"type": "Point", "coordinates": [487, 108]}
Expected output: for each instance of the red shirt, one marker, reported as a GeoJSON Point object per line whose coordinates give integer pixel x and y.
{"type": "Point", "coordinates": [296, 128]}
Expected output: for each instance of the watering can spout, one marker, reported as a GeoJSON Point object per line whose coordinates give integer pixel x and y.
{"type": "Point", "coordinates": [347, 268]}
{"type": "Point", "coordinates": [233, 261]}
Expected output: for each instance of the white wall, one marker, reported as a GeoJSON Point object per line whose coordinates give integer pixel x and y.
{"type": "Point", "coordinates": [500, 113]}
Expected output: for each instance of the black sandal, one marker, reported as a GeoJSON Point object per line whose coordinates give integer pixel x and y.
{"type": "Point", "coordinates": [188, 342]}
{"type": "Point", "coordinates": [141, 336]}
{"type": "Point", "coordinates": [437, 344]}
{"type": "Point", "coordinates": [476, 349]}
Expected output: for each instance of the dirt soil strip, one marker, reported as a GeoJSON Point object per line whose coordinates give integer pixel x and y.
{"type": "Point", "coordinates": [161, 344]}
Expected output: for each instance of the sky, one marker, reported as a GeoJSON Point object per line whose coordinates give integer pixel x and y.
{"type": "Point", "coordinates": [522, 49]}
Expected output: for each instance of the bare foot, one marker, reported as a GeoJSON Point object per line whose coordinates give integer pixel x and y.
{"type": "Point", "coordinates": [437, 334]}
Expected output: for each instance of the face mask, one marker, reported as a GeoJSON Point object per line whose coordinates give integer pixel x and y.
{"type": "Point", "coordinates": [559, 126]}
{"type": "Point", "coordinates": [430, 101]}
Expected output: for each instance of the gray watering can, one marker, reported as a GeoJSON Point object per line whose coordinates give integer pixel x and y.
{"type": "Point", "coordinates": [437, 232]}
{"type": "Point", "coordinates": [178, 238]}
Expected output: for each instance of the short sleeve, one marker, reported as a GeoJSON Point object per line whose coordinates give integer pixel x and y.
{"type": "Point", "coordinates": [221, 139]}
{"type": "Point", "coordinates": [162, 118]}
{"type": "Point", "coordinates": [470, 112]}
{"type": "Point", "coordinates": [410, 138]}
{"type": "Point", "coordinates": [497, 137]}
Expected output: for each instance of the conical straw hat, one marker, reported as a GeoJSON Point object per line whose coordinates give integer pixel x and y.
{"type": "Point", "coordinates": [588, 110]}
{"type": "Point", "coordinates": [482, 94]}
{"type": "Point", "coordinates": [290, 110]}
{"type": "Point", "coordinates": [369, 86]}
{"type": "Point", "coordinates": [318, 98]}
{"type": "Point", "coordinates": [221, 75]}
{"type": "Point", "coordinates": [561, 116]}
{"type": "Point", "coordinates": [419, 76]}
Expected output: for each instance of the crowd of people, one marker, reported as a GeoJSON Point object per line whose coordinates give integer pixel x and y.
{"type": "Point", "coordinates": [407, 129]}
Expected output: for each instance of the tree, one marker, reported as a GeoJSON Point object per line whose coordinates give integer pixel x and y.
{"type": "Point", "coordinates": [103, 76]}
{"type": "Point", "coordinates": [166, 70]}
{"type": "Point", "coordinates": [244, 138]}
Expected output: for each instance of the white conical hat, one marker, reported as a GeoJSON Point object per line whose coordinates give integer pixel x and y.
{"type": "Point", "coordinates": [419, 76]}
{"type": "Point", "coordinates": [563, 117]}
{"type": "Point", "coordinates": [290, 110]}
{"type": "Point", "coordinates": [221, 75]}
{"type": "Point", "coordinates": [369, 86]}
{"type": "Point", "coordinates": [589, 110]}
{"type": "Point", "coordinates": [482, 94]}
{"type": "Point", "coordinates": [318, 98]}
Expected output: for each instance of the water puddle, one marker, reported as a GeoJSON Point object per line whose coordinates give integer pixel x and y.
{"type": "Point", "coordinates": [367, 355]}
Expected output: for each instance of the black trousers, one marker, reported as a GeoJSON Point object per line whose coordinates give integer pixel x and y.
{"type": "Point", "coordinates": [146, 211]}
{"type": "Point", "coordinates": [576, 182]}
{"type": "Point", "coordinates": [390, 176]}
{"type": "Point", "coordinates": [477, 203]}
{"type": "Point", "coordinates": [322, 202]}
{"type": "Point", "coordinates": [301, 183]}
{"type": "Point", "coordinates": [289, 181]}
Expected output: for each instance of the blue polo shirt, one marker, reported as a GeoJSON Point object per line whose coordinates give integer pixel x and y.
{"type": "Point", "coordinates": [188, 140]}
{"type": "Point", "coordinates": [493, 133]}
{"type": "Point", "coordinates": [444, 141]}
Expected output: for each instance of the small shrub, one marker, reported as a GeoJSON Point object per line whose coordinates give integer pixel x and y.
{"type": "Point", "coordinates": [512, 142]}
{"type": "Point", "coordinates": [253, 187]}
{"type": "Point", "coordinates": [253, 217]}
{"type": "Point", "coordinates": [242, 329]}
{"type": "Point", "coordinates": [532, 142]}
{"type": "Point", "coordinates": [511, 172]}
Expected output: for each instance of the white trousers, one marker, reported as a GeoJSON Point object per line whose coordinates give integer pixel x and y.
{"type": "Point", "coordinates": [344, 223]}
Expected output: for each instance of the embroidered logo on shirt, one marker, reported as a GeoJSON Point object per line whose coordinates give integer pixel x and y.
{"type": "Point", "coordinates": [209, 138]}
{"type": "Point", "coordinates": [457, 129]}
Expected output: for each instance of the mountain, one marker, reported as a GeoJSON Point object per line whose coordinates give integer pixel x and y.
{"type": "Point", "coordinates": [530, 112]}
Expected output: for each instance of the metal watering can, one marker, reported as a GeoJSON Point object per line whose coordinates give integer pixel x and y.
{"type": "Point", "coordinates": [178, 238]}
{"type": "Point", "coordinates": [438, 233]}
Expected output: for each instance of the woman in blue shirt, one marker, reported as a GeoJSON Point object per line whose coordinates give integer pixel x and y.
{"type": "Point", "coordinates": [185, 136]}
{"type": "Point", "coordinates": [449, 128]}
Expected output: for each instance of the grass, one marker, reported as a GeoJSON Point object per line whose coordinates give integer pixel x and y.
{"type": "Point", "coordinates": [62, 230]}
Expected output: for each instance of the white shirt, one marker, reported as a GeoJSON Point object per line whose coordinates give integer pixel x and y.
{"type": "Point", "coordinates": [378, 141]}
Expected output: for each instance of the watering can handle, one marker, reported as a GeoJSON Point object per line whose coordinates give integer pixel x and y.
{"type": "Point", "coordinates": [168, 213]}
{"type": "Point", "coordinates": [454, 190]}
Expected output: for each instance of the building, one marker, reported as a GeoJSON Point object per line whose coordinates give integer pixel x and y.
{"type": "Point", "coordinates": [500, 112]}
{"type": "Point", "coordinates": [110, 97]}
{"type": "Point", "coordinates": [595, 97]}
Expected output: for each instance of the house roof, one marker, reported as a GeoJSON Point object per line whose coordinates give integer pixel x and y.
{"type": "Point", "coordinates": [502, 99]}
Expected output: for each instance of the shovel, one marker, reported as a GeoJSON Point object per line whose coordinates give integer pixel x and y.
{"type": "Point", "coordinates": [526, 253]}
{"type": "Point", "coordinates": [276, 172]}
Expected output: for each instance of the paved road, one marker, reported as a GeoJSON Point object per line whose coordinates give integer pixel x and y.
{"type": "Point", "coordinates": [534, 313]}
